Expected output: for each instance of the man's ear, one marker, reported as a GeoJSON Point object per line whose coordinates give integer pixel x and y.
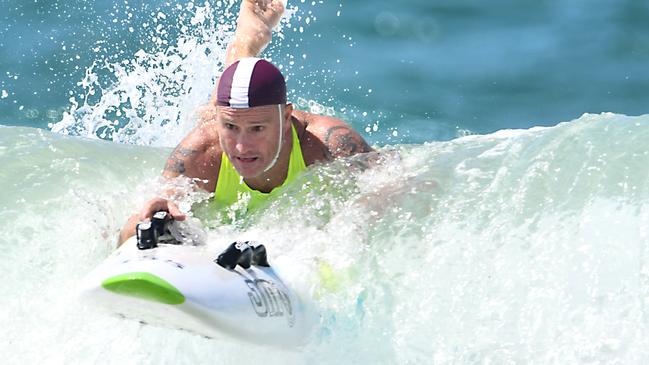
{"type": "Point", "coordinates": [214, 96]}
{"type": "Point", "coordinates": [288, 113]}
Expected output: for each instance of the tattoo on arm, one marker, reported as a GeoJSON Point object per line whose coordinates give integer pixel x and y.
{"type": "Point", "coordinates": [341, 141]}
{"type": "Point", "coordinates": [176, 161]}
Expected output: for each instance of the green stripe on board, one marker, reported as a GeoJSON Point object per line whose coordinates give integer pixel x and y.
{"type": "Point", "coordinates": [145, 286]}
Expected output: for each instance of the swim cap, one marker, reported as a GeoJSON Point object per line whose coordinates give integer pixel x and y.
{"type": "Point", "coordinates": [251, 82]}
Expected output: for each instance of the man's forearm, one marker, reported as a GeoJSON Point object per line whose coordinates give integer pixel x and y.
{"type": "Point", "coordinates": [256, 20]}
{"type": "Point", "coordinates": [244, 47]}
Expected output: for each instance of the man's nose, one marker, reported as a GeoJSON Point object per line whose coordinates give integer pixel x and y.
{"type": "Point", "coordinates": [243, 143]}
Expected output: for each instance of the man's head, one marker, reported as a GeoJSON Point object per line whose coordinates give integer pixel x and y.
{"type": "Point", "coordinates": [252, 115]}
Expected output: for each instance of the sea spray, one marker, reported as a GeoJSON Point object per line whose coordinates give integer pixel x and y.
{"type": "Point", "coordinates": [519, 246]}
{"type": "Point", "coordinates": [156, 95]}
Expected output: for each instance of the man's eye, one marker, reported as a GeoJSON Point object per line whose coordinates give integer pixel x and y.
{"type": "Point", "coordinates": [258, 128]}
{"type": "Point", "coordinates": [230, 126]}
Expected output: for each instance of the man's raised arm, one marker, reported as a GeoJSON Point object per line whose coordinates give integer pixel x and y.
{"type": "Point", "coordinates": [257, 18]}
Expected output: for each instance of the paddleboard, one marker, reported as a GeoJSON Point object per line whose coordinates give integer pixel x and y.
{"type": "Point", "coordinates": [183, 287]}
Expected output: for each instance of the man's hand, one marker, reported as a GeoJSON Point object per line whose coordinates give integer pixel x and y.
{"type": "Point", "coordinates": [267, 11]}
{"type": "Point", "coordinates": [152, 206]}
{"type": "Point", "coordinates": [157, 204]}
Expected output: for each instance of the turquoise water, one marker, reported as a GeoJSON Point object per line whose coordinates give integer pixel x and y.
{"type": "Point", "coordinates": [433, 67]}
{"type": "Point", "coordinates": [478, 238]}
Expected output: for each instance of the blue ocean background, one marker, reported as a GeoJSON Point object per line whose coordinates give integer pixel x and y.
{"type": "Point", "coordinates": [433, 67]}
{"type": "Point", "coordinates": [506, 221]}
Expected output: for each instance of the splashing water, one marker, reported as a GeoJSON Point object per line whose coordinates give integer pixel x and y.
{"type": "Point", "coordinates": [523, 246]}
{"type": "Point", "coordinates": [520, 246]}
{"type": "Point", "coordinates": [155, 97]}
{"type": "Point", "coordinates": [152, 98]}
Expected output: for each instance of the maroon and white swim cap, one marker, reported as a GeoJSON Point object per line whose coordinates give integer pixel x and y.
{"type": "Point", "coordinates": [251, 82]}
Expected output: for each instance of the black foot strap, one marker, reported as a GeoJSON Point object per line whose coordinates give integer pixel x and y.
{"type": "Point", "coordinates": [243, 254]}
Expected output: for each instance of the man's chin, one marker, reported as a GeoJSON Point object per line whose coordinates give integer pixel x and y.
{"type": "Point", "coordinates": [248, 172]}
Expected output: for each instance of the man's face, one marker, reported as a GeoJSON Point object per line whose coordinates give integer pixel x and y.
{"type": "Point", "coordinates": [249, 137]}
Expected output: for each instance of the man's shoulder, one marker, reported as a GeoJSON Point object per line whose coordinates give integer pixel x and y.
{"type": "Point", "coordinates": [332, 136]}
{"type": "Point", "coordinates": [318, 124]}
{"type": "Point", "coordinates": [205, 137]}
{"type": "Point", "coordinates": [198, 155]}
{"type": "Point", "coordinates": [205, 140]}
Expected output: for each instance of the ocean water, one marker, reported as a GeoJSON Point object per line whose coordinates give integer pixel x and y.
{"type": "Point", "coordinates": [506, 221]}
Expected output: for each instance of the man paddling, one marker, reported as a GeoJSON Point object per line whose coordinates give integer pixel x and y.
{"type": "Point", "coordinates": [253, 141]}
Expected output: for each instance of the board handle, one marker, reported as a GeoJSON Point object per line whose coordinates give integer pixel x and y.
{"type": "Point", "coordinates": [158, 230]}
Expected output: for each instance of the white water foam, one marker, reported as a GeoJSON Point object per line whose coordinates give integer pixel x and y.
{"type": "Point", "coordinates": [521, 246]}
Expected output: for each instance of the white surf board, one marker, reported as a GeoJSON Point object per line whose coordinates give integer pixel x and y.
{"type": "Point", "coordinates": [181, 286]}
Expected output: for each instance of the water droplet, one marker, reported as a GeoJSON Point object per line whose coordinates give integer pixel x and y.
{"type": "Point", "coordinates": [386, 24]}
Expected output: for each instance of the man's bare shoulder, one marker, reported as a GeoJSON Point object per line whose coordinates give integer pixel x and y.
{"type": "Point", "coordinates": [333, 136]}
{"type": "Point", "coordinates": [198, 155]}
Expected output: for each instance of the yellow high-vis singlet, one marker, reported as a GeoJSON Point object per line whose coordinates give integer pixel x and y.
{"type": "Point", "coordinates": [230, 187]}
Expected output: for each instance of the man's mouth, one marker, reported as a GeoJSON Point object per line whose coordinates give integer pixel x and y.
{"type": "Point", "coordinates": [246, 159]}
